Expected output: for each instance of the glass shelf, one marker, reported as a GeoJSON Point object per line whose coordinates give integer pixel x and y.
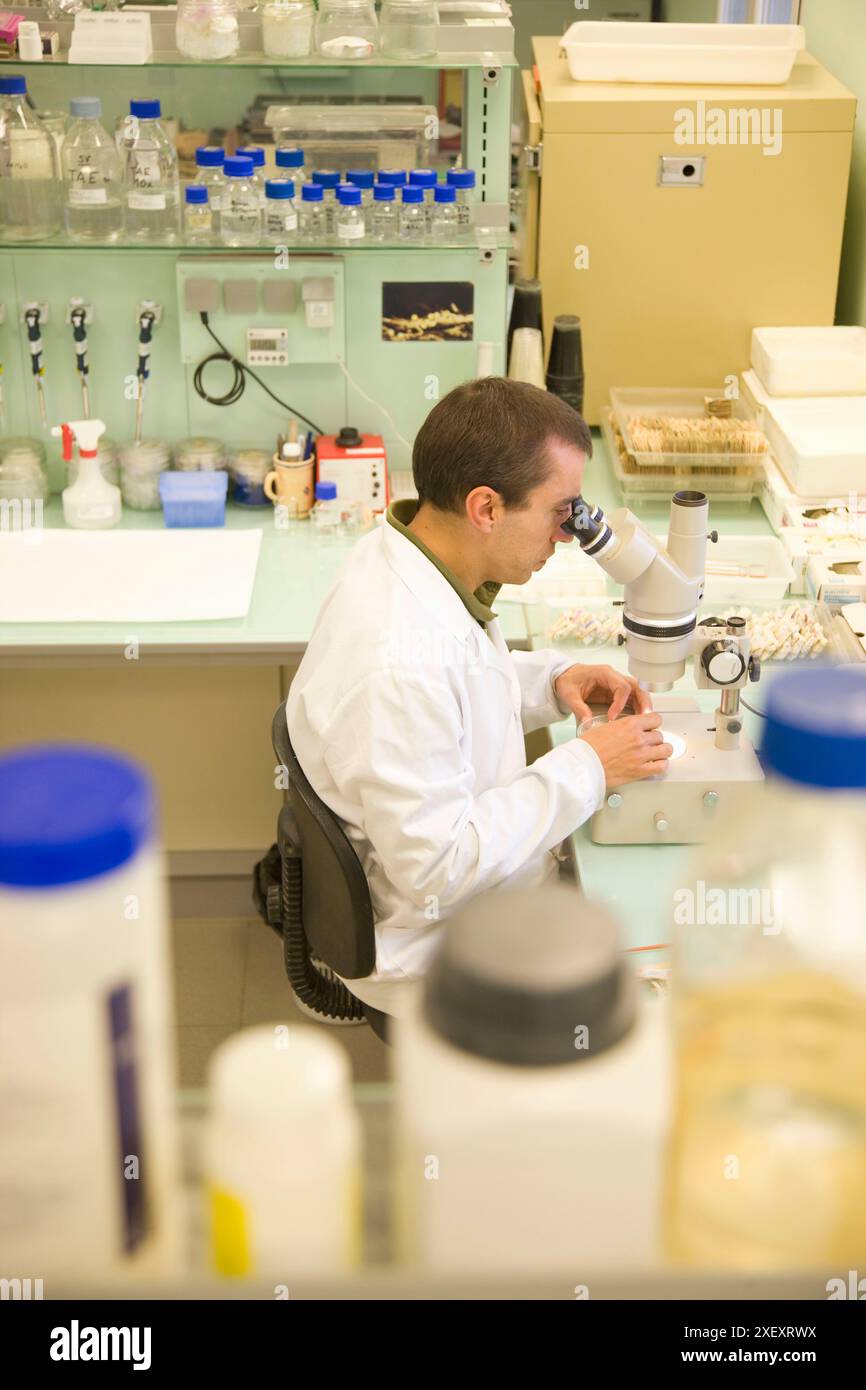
{"type": "Point", "coordinates": [173, 59]}
{"type": "Point", "coordinates": [496, 240]}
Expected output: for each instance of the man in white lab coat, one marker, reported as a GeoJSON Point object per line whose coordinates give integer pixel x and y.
{"type": "Point", "coordinates": [408, 712]}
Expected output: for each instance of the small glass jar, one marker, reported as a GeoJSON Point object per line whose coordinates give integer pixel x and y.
{"type": "Point", "coordinates": [287, 28]}
{"type": "Point", "coordinates": [281, 213]}
{"type": "Point", "coordinates": [248, 469]}
{"type": "Point", "coordinates": [385, 216]}
{"type": "Point", "coordinates": [329, 181]}
{"type": "Point", "coordinates": [207, 30]}
{"type": "Point", "coordinates": [23, 473]}
{"type": "Point", "coordinates": [326, 513]}
{"type": "Point", "coordinates": [409, 28]}
{"type": "Point", "coordinates": [347, 29]}
{"type": "Point", "coordinates": [197, 216]}
{"type": "Point", "coordinates": [200, 455]}
{"type": "Point", "coordinates": [210, 161]}
{"type": "Point", "coordinates": [312, 222]}
{"type": "Point", "coordinates": [140, 468]}
{"type": "Point", "coordinates": [444, 224]}
{"type": "Point", "coordinates": [257, 155]}
{"type": "Point", "coordinates": [351, 226]}
{"type": "Point", "coordinates": [426, 179]}
{"type": "Point", "coordinates": [413, 214]}
{"type": "Point", "coordinates": [463, 180]}
{"type": "Point", "coordinates": [290, 165]}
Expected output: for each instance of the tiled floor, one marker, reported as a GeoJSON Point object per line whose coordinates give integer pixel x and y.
{"type": "Point", "coordinates": [228, 974]}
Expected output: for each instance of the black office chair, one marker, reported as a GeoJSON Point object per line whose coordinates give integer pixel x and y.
{"type": "Point", "coordinates": [311, 889]}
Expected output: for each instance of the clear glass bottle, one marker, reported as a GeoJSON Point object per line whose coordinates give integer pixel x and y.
{"type": "Point", "coordinates": [444, 222]}
{"type": "Point", "coordinates": [329, 181]}
{"type": "Point", "coordinates": [312, 222]}
{"type": "Point", "coordinates": [409, 28]}
{"type": "Point", "coordinates": [92, 176]}
{"type": "Point", "coordinates": [768, 1147]}
{"type": "Point", "coordinates": [351, 223]}
{"type": "Point", "coordinates": [347, 29]}
{"type": "Point", "coordinates": [209, 161]}
{"type": "Point", "coordinates": [287, 28]}
{"type": "Point", "coordinates": [207, 30]}
{"type": "Point", "coordinates": [281, 212]}
{"type": "Point", "coordinates": [289, 160]}
{"type": "Point", "coordinates": [197, 217]}
{"type": "Point", "coordinates": [413, 214]}
{"type": "Point", "coordinates": [241, 213]}
{"type": "Point", "coordinates": [30, 188]}
{"type": "Point", "coordinates": [426, 179]}
{"type": "Point", "coordinates": [257, 155]}
{"type": "Point", "coordinates": [385, 217]}
{"type": "Point", "coordinates": [464, 182]}
{"type": "Point", "coordinates": [152, 182]}
{"type": "Point", "coordinates": [326, 511]}
{"type": "Point", "coordinates": [365, 180]}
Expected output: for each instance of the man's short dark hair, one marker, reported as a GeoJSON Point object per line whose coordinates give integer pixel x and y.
{"type": "Point", "coordinates": [495, 433]}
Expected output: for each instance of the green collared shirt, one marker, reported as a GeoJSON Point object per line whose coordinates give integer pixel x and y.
{"type": "Point", "coordinates": [399, 515]}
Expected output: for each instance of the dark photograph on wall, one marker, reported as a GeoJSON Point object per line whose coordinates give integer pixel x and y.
{"type": "Point", "coordinates": [420, 311]}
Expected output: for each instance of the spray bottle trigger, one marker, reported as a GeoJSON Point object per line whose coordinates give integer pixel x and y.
{"type": "Point", "coordinates": [68, 438]}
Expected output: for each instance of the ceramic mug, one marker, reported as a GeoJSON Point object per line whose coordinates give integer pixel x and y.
{"type": "Point", "coordinates": [290, 485]}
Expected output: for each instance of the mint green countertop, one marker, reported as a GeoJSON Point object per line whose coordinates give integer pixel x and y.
{"type": "Point", "coordinates": [294, 573]}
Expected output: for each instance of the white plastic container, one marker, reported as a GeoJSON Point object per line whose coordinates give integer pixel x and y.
{"type": "Point", "coordinates": [746, 569]}
{"type": "Point", "coordinates": [734, 54]}
{"type": "Point", "coordinates": [87, 1144]}
{"type": "Point", "coordinates": [532, 1096]}
{"type": "Point", "coordinates": [282, 1156]}
{"type": "Point", "coordinates": [819, 443]}
{"type": "Point", "coordinates": [810, 361]}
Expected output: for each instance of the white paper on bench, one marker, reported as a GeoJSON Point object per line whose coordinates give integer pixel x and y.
{"type": "Point", "coordinates": [49, 576]}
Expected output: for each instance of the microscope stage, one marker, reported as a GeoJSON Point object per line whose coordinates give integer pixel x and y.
{"type": "Point", "coordinates": [684, 804]}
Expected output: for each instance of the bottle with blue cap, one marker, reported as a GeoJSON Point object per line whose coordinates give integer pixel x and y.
{"type": "Point", "coordinates": [351, 224]}
{"type": "Point", "coordinates": [312, 222]}
{"type": "Point", "coordinates": [92, 176]}
{"type": "Point", "coordinates": [463, 182]}
{"type": "Point", "coordinates": [289, 160]}
{"type": "Point", "coordinates": [326, 510]}
{"type": "Point", "coordinates": [768, 1149]}
{"type": "Point", "coordinates": [152, 180]}
{"type": "Point", "coordinates": [281, 213]}
{"type": "Point", "coordinates": [30, 189]}
{"type": "Point", "coordinates": [241, 214]}
{"type": "Point", "coordinates": [88, 1159]}
{"type": "Point", "coordinates": [210, 161]}
{"type": "Point", "coordinates": [413, 215]}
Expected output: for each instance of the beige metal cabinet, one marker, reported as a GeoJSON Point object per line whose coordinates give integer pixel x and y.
{"type": "Point", "coordinates": [670, 278]}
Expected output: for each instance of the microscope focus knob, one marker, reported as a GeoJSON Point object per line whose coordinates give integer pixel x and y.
{"type": "Point", "coordinates": [722, 664]}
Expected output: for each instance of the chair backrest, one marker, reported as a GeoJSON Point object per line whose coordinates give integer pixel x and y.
{"type": "Point", "coordinates": [336, 906]}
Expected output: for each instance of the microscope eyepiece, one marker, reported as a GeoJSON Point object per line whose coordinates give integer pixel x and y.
{"type": "Point", "coordinates": [588, 525]}
{"type": "Point", "coordinates": [689, 499]}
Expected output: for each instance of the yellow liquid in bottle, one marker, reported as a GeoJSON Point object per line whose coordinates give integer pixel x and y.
{"type": "Point", "coordinates": [767, 1161]}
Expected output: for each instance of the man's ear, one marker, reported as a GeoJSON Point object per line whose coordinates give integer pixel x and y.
{"type": "Point", "coordinates": [482, 505]}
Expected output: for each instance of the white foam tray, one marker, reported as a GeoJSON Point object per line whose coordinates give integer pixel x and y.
{"type": "Point", "coordinates": [810, 361]}
{"type": "Point", "coordinates": [819, 443]}
{"type": "Point", "coordinates": [734, 54]}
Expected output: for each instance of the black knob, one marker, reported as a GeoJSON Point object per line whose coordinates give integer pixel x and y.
{"type": "Point", "coordinates": [736, 622]}
{"type": "Point", "coordinates": [754, 669]}
{"type": "Point", "coordinates": [713, 536]}
{"type": "Point", "coordinates": [349, 437]}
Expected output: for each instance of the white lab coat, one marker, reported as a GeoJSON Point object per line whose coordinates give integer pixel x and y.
{"type": "Point", "coordinates": [408, 719]}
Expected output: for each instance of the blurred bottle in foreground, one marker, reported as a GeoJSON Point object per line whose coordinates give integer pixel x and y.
{"type": "Point", "coordinates": [768, 1151]}
{"type": "Point", "coordinates": [87, 1144]}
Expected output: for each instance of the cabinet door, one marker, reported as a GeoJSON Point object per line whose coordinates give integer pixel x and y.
{"type": "Point", "coordinates": [529, 191]}
{"type": "Point", "coordinates": [670, 281]}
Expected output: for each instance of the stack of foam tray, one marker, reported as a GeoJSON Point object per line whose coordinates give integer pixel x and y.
{"type": "Point", "coordinates": [807, 389]}
{"type": "Point", "coordinates": [648, 475]}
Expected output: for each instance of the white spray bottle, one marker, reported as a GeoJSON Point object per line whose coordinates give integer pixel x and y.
{"type": "Point", "coordinates": [90, 503]}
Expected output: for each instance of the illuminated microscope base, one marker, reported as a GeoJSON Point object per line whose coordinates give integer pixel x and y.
{"type": "Point", "coordinates": [684, 805]}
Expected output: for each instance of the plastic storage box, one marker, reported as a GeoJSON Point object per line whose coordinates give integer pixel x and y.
{"type": "Point", "coordinates": [646, 485]}
{"type": "Point", "coordinates": [810, 361]}
{"type": "Point", "coordinates": [194, 499]}
{"type": "Point", "coordinates": [632, 402]}
{"type": "Point", "coordinates": [734, 54]}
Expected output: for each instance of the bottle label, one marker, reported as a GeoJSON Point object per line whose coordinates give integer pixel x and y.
{"type": "Point", "coordinates": [29, 155]}
{"type": "Point", "coordinates": [215, 201]}
{"type": "Point", "coordinates": [86, 197]}
{"type": "Point", "coordinates": [281, 221]}
{"type": "Point", "coordinates": [146, 202]}
{"type": "Point", "coordinates": [350, 231]}
{"type": "Point", "coordinates": [144, 169]}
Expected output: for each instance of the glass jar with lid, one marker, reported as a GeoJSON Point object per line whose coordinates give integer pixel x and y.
{"type": "Point", "coordinates": [207, 30]}
{"type": "Point", "coordinates": [409, 28]}
{"type": "Point", "coordinates": [287, 28]}
{"type": "Point", "coordinates": [141, 464]}
{"type": "Point", "coordinates": [347, 29]}
{"type": "Point", "coordinates": [23, 474]}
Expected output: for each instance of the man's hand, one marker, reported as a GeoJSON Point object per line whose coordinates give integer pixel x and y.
{"type": "Point", "coordinates": [580, 684]}
{"type": "Point", "coordinates": [630, 749]}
